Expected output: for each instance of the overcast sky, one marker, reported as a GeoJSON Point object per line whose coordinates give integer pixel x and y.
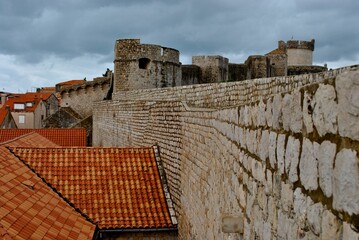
{"type": "Point", "coordinates": [44, 42]}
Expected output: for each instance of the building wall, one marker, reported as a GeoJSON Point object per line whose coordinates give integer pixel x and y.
{"type": "Point", "coordinates": [29, 119]}
{"type": "Point", "coordinates": [273, 158]}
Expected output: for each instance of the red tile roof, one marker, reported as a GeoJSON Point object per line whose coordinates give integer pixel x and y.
{"type": "Point", "coordinates": [118, 188]}
{"type": "Point", "coordinates": [60, 136]}
{"type": "Point", "coordinates": [33, 97]}
{"type": "Point", "coordinates": [31, 139]}
{"type": "Point", "coordinates": [276, 51]}
{"type": "Point", "coordinates": [71, 82]}
{"type": "Point", "coordinates": [30, 209]}
{"type": "Point", "coordinates": [3, 113]}
{"type": "Point", "coordinates": [4, 235]}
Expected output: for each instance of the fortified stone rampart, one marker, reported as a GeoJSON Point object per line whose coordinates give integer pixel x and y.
{"type": "Point", "coordinates": [82, 96]}
{"type": "Point", "coordinates": [143, 66]}
{"type": "Point", "coordinates": [273, 158]}
{"type": "Point", "coordinates": [214, 69]}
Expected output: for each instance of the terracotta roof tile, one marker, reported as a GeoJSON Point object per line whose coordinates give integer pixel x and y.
{"type": "Point", "coordinates": [118, 188]}
{"type": "Point", "coordinates": [33, 97]}
{"type": "Point", "coordinates": [71, 82]}
{"type": "Point", "coordinates": [60, 136]}
{"type": "Point", "coordinates": [3, 113]}
{"type": "Point", "coordinates": [276, 51]}
{"type": "Point", "coordinates": [31, 139]}
{"type": "Point", "coordinates": [29, 208]}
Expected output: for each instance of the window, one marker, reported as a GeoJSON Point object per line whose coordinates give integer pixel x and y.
{"type": "Point", "coordinates": [21, 119]}
{"type": "Point", "coordinates": [29, 104]}
{"type": "Point", "coordinates": [18, 106]}
{"type": "Point", "coordinates": [143, 63]}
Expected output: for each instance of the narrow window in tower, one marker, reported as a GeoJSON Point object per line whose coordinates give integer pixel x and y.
{"type": "Point", "coordinates": [143, 63]}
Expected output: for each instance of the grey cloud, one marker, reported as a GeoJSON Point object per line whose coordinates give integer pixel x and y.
{"type": "Point", "coordinates": [33, 30]}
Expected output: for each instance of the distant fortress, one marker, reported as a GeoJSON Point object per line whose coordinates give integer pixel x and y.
{"type": "Point", "coordinates": [145, 66]}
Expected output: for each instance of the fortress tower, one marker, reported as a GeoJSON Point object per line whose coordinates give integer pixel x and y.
{"type": "Point", "coordinates": [144, 66]}
{"type": "Point", "coordinates": [300, 53]}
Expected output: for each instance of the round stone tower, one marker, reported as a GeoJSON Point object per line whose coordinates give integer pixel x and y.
{"type": "Point", "coordinates": [300, 53]}
{"type": "Point", "coordinates": [144, 66]}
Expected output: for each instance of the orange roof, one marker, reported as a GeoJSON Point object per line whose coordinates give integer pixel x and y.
{"type": "Point", "coordinates": [60, 136]}
{"type": "Point", "coordinates": [3, 113]}
{"type": "Point", "coordinates": [33, 97]}
{"type": "Point", "coordinates": [276, 51]}
{"type": "Point", "coordinates": [71, 82]}
{"type": "Point", "coordinates": [4, 235]}
{"type": "Point", "coordinates": [29, 209]}
{"type": "Point", "coordinates": [31, 139]}
{"type": "Point", "coordinates": [118, 188]}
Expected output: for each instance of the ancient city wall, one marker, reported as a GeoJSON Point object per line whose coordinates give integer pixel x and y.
{"type": "Point", "coordinates": [81, 97]}
{"type": "Point", "coordinates": [269, 158]}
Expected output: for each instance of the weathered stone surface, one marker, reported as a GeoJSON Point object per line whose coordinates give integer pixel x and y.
{"type": "Point", "coordinates": [269, 113]}
{"type": "Point", "coordinates": [330, 226]}
{"type": "Point", "coordinates": [325, 110]}
{"type": "Point", "coordinates": [292, 112]}
{"type": "Point", "coordinates": [264, 146]}
{"type": "Point", "coordinates": [277, 111]}
{"type": "Point", "coordinates": [287, 196]}
{"type": "Point", "coordinates": [287, 111]}
{"type": "Point", "coordinates": [308, 165]}
{"type": "Point", "coordinates": [280, 152]}
{"type": "Point", "coordinates": [292, 158]}
{"type": "Point", "coordinates": [307, 112]}
{"type": "Point", "coordinates": [347, 86]}
{"type": "Point", "coordinates": [326, 157]}
{"type": "Point", "coordinates": [346, 182]}
{"type": "Point", "coordinates": [349, 233]}
{"type": "Point", "coordinates": [314, 217]}
{"type": "Point", "coordinates": [299, 207]}
{"type": "Point", "coordinates": [261, 114]}
{"type": "Point", "coordinates": [272, 149]}
{"type": "Point", "coordinates": [296, 113]}
{"type": "Point", "coordinates": [233, 224]}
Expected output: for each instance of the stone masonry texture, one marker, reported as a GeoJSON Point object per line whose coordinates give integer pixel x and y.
{"type": "Point", "coordinates": [277, 155]}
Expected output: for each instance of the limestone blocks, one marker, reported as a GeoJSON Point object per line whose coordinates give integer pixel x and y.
{"type": "Point", "coordinates": [346, 182]}
{"type": "Point", "coordinates": [347, 87]}
{"type": "Point", "coordinates": [325, 110]}
{"type": "Point", "coordinates": [326, 157]}
{"type": "Point", "coordinates": [308, 165]}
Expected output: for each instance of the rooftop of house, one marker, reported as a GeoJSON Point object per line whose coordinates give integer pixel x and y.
{"type": "Point", "coordinates": [53, 192]}
{"type": "Point", "coordinates": [117, 188]}
{"type": "Point", "coordinates": [61, 136]}
{"type": "Point", "coordinates": [29, 208]}
{"type": "Point", "coordinates": [276, 51]}
{"type": "Point", "coordinates": [30, 100]}
{"type": "Point", "coordinates": [3, 114]}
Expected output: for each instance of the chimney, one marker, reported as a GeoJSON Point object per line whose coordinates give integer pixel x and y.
{"type": "Point", "coordinates": [3, 99]}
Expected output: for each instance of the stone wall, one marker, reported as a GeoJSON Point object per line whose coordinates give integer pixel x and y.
{"type": "Point", "coordinates": [142, 66]}
{"type": "Point", "coordinates": [214, 69]}
{"type": "Point", "coordinates": [272, 158]}
{"type": "Point", "coordinates": [81, 97]}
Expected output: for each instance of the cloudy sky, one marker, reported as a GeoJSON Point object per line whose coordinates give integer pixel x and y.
{"type": "Point", "coordinates": [44, 42]}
